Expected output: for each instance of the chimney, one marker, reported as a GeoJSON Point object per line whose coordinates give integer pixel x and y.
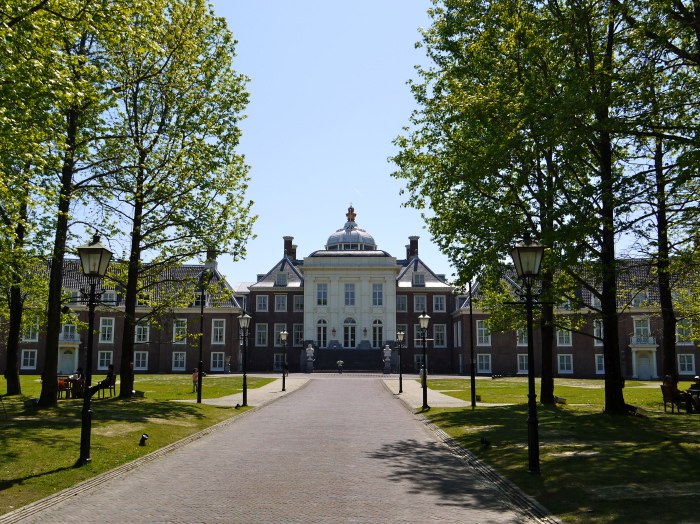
{"type": "Point", "coordinates": [288, 247]}
{"type": "Point", "coordinates": [413, 247]}
{"type": "Point", "coordinates": [294, 252]}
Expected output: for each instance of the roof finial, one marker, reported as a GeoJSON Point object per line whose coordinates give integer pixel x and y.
{"type": "Point", "coordinates": [351, 213]}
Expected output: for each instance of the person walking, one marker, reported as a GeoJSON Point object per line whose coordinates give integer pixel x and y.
{"type": "Point", "coordinates": [195, 379]}
{"type": "Point", "coordinates": [340, 366]}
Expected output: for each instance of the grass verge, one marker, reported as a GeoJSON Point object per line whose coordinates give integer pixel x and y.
{"type": "Point", "coordinates": [595, 468]}
{"type": "Point", "coordinates": [40, 447]}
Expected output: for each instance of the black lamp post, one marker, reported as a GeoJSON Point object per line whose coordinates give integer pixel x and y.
{"type": "Point", "coordinates": [399, 346]}
{"type": "Point", "coordinates": [204, 279]}
{"type": "Point", "coordinates": [471, 347]}
{"type": "Point", "coordinates": [527, 257]}
{"type": "Point", "coordinates": [94, 259]}
{"type": "Point", "coordinates": [283, 338]}
{"type": "Point", "coordinates": [244, 323]}
{"type": "Point", "coordinates": [423, 322]}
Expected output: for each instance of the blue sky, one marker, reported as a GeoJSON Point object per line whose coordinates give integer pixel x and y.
{"type": "Point", "coordinates": [328, 96]}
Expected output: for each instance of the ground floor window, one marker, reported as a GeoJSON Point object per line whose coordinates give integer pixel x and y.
{"type": "Point", "coordinates": [298, 339]}
{"type": "Point", "coordinates": [278, 361]}
{"type": "Point", "coordinates": [599, 364]}
{"type": "Point", "coordinates": [217, 361]}
{"type": "Point", "coordinates": [28, 359]}
{"type": "Point", "coordinates": [566, 364]}
{"type": "Point", "coordinates": [141, 360]}
{"type": "Point", "coordinates": [377, 334]}
{"type": "Point", "coordinates": [418, 361]}
{"type": "Point", "coordinates": [483, 363]}
{"type": "Point", "coordinates": [104, 359]}
{"type": "Point", "coordinates": [522, 363]}
{"type": "Point", "coordinates": [686, 364]}
{"type": "Point", "coordinates": [179, 360]}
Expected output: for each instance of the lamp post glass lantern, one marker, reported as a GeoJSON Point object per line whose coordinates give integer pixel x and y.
{"type": "Point", "coordinates": [244, 323]}
{"type": "Point", "coordinates": [399, 344]}
{"type": "Point", "coordinates": [527, 257]}
{"type": "Point", "coordinates": [94, 260]}
{"type": "Point", "coordinates": [423, 321]}
{"type": "Point", "coordinates": [283, 338]}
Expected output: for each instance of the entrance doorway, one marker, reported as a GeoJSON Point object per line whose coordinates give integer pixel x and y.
{"type": "Point", "coordinates": [67, 362]}
{"type": "Point", "coordinates": [644, 371]}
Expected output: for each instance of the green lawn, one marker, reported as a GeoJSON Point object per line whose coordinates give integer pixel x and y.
{"type": "Point", "coordinates": [39, 447]}
{"type": "Point", "coordinates": [595, 468]}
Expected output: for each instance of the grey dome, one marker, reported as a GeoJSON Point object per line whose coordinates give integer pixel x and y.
{"type": "Point", "coordinates": [351, 237]}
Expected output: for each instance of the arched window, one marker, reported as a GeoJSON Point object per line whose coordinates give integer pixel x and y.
{"type": "Point", "coordinates": [322, 333]}
{"type": "Point", "coordinates": [377, 334]}
{"type": "Point", "coordinates": [349, 329]}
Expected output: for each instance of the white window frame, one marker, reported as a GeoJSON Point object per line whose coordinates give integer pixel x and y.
{"type": "Point", "coordinates": [483, 335]}
{"type": "Point", "coordinates": [299, 303]}
{"type": "Point", "coordinates": [521, 336]}
{"type": "Point", "coordinates": [69, 333]}
{"type": "Point", "coordinates": [440, 335]}
{"type": "Point", "coordinates": [417, 301]}
{"type": "Point", "coordinates": [349, 333]}
{"type": "Point", "coordinates": [261, 303]}
{"type": "Point", "coordinates": [349, 295]}
{"type": "Point", "coordinates": [277, 361]}
{"type": "Point", "coordinates": [261, 335]}
{"type": "Point", "coordinates": [439, 304]}
{"type": "Point", "coordinates": [639, 299]}
{"type": "Point", "coordinates": [218, 331]}
{"type": "Point", "coordinates": [322, 333]}
{"type": "Point", "coordinates": [140, 360]}
{"type": "Point", "coordinates": [565, 364]}
{"type": "Point", "coordinates": [377, 295]}
{"type": "Point", "coordinates": [280, 303]}
{"type": "Point", "coordinates": [418, 279]}
{"type": "Point", "coordinates": [217, 361]}
{"type": "Point", "coordinates": [142, 334]}
{"type": "Point", "coordinates": [377, 334]}
{"type": "Point", "coordinates": [483, 363]}
{"type": "Point", "coordinates": [597, 332]}
{"type": "Point", "coordinates": [104, 359]}
{"type": "Point", "coordinates": [278, 328]}
{"type": "Point", "coordinates": [683, 330]}
{"type": "Point", "coordinates": [281, 280]}
{"type": "Point", "coordinates": [401, 304]}
{"type": "Point", "coordinates": [564, 337]}
{"type": "Point", "coordinates": [522, 363]}
{"type": "Point", "coordinates": [179, 362]}
{"type": "Point", "coordinates": [686, 364]}
{"type": "Point", "coordinates": [180, 327]}
{"type": "Point", "coordinates": [404, 328]}
{"type": "Point", "coordinates": [298, 335]}
{"type": "Point", "coordinates": [28, 359]}
{"type": "Point", "coordinates": [32, 332]}
{"type": "Point", "coordinates": [599, 364]}
{"type": "Point", "coordinates": [321, 294]}
{"type": "Point", "coordinates": [106, 330]}
{"type": "Point", "coordinates": [109, 298]}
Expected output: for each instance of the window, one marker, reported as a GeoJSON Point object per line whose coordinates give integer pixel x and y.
{"type": "Point", "coordinates": [639, 299]}
{"type": "Point", "coordinates": [142, 333]}
{"type": "Point", "coordinates": [322, 333]}
{"type": "Point", "coordinates": [439, 303]}
{"type": "Point", "coordinates": [28, 359]}
{"type": "Point", "coordinates": [74, 297]}
{"type": "Point", "coordinates": [377, 294]}
{"type": "Point", "coordinates": [419, 279]}
{"type": "Point", "coordinates": [218, 331]}
{"type": "Point", "coordinates": [483, 363]}
{"type": "Point", "coordinates": [280, 303]}
{"type": "Point", "coordinates": [440, 335]}
{"type": "Point", "coordinates": [298, 303]}
{"type": "Point", "coordinates": [104, 359]}
{"type": "Point", "coordinates": [401, 303]}
{"type": "Point", "coordinates": [261, 303]}
{"type": "Point", "coordinates": [180, 331]}
{"type": "Point", "coordinates": [418, 361]}
{"type": "Point", "coordinates": [522, 363]}
{"type": "Point", "coordinates": [69, 333]}
{"type": "Point", "coordinates": [566, 364]}
{"type": "Point", "coordinates": [419, 303]}
{"type": "Point", "coordinates": [321, 294]}
{"type": "Point", "coordinates": [31, 333]}
{"type": "Point", "coordinates": [595, 301]}
{"type": "Point", "coordinates": [349, 294]}
{"type": "Point", "coordinates": [598, 332]}
{"type": "Point", "coordinates": [179, 360]}
{"type": "Point", "coordinates": [563, 337]}
{"type": "Point", "coordinates": [565, 304]}
{"type": "Point", "coordinates": [278, 328]}
{"type": "Point", "coordinates": [418, 335]}
{"type": "Point", "coordinates": [298, 335]}
{"type": "Point", "coordinates": [107, 330]}
{"type": "Point", "coordinates": [641, 331]}
{"type": "Point", "coordinates": [404, 329]}
{"type": "Point", "coordinates": [683, 332]}
{"type": "Point", "coordinates": [277, 361]}
{"type": "Point", "coordinates": [281, 279]}
{"type": "Point", "coordinates": [377, 334]}
{"type": "Point", "coordinates": [349, 329]}
{"type": "Point", "coordinates": [261, 334]}
{"type": "Point", "coordinates": [144, 299]}
{"type": "Point", "coordinates": [141, 360]}
{"type": "Point", "coordinates": [217, 361]}
{"type": "Point", "coordinates": [686, 364]}
{"type": "Point", "coordinates": [109, 298]}
{"type": "Point", "coordinates": [483, 336]}
{"type": "Point", "coordinates": [522, 336]}
{"type": "Point", "coordinates": [599, 364]}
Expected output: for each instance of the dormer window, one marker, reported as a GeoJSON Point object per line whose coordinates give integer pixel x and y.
{"type": "Point", "coordinates": [419, 279]}
{"type": "Point", "coordinates": [281, 280]}
{"type": "Point", "coordinates": [639, 299]}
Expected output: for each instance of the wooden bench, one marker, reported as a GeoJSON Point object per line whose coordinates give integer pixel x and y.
{"type": "Point", "coordinates": [63, 386]}
{"type": "Point", "coordinates": [112, 387]}
{"type": "Point", "coordinates": [670, 398]}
